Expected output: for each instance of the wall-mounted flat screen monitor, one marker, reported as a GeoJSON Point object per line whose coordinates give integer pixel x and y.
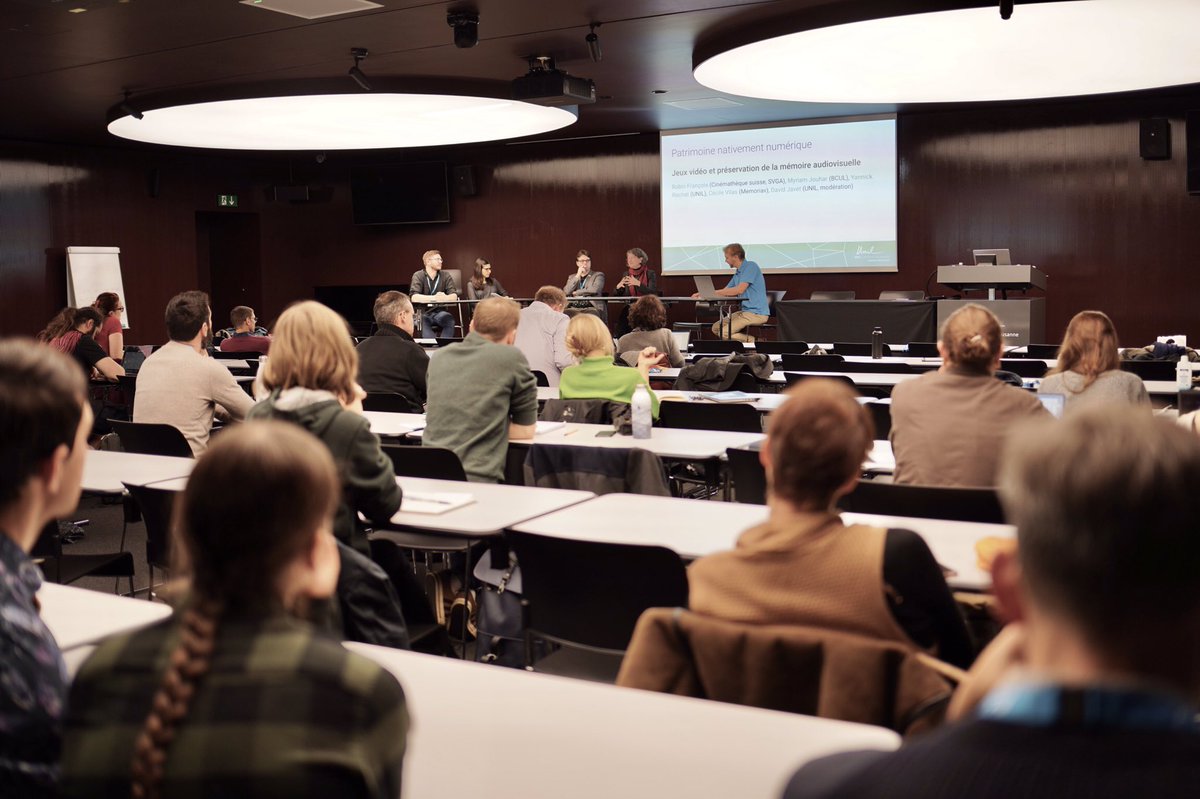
{"type": "Point", "coordinates": [800, 197]}
{"type": "Point", "coordinates": [400, 194]}
{"type": "Point", "coordinates": [993, 257]}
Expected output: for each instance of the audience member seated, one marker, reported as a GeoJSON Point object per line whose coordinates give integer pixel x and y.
{"type": "Point", "coordinates": [245, 338]}
{"type": "Point", "coordinates": [482, 285]}
{"type": "Point", "coordinates": [542, 333]}
{"type": "Point", "coordinates": [948, 425]}
{"type": "Point", "coordinates": [237, 694]}
{"type": "Point", "coordinates": [110, 336]}
{"type": "Point", "coordinates": [482, 393]}
{"type": "Point", "coordinates": [585, 282]}
{"type": "Point", "coordinates": [72, 332]}
{"type": "Point", "coordinates": [310, 377]}
{"type": "Point", "coordinates": [1089, 367]}
{"type": "Point", "coordinates": [428, 286]}
{"type": "Point", "coordinates": [648, 318]}
{"type": "Point", "coordinates": [44, 425]}
{"type": "Point", "coordinates": [180, 385]}
{"type": "Point", "coordinates": [390, 362]}
{"type": "Point", "coordinates": [1092, 688]}
{"type": "Point", "coordinates": [596, 376]}
{"type": "Point", "coordinates": [803, 566]}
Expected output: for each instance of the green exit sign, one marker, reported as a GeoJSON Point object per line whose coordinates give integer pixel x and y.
{"type": "Point", "coordinates": [227, 200]}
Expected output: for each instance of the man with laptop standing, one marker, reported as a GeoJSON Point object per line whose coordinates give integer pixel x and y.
{"type": "Point", "coordinates": [747, 282]}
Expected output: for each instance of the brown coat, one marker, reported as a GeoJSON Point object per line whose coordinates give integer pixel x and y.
{"type": "Point", "coordinates": [796, 669]}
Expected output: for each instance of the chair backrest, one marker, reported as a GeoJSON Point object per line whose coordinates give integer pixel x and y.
{"type": "Point", "coordinates": [876, 368]}
{"type": "Point", "coordinates": [1150, 370]}
{"type": "Point", "coordinates": [793, 362]}
{"type": "Point", "coordinates": [928, 502]}
{"type": "Point", "coordinates": [151, 439]}
{"type": "Point", "coordinates": [1041, 350]}
{"type": "Point", "coordinates": [222, 355]}
{"type": "Point", "coordinates": [388, 402]}
{"type": "Point", "coordinates": [716, 346]}
{"type": "Point", "coordinates": [446, 342]}
{"type": "Point", "coordinates": [590, 411]}
{"type": "Point", "coordinates": [702, 415]}
{"type": "Point", "coordinates": [832, 295]}
{"type": "Point", "coordinates": [857, 348]}
{"type": "Point", "coordinates": [1025, 367]}
{"type": "Point", "coordinates": [590, 594]}
{"type": "Point", "coordinates": [433, 462]}
{"type": "Point", "coordinates": [156, 505]}
{"type": "Point", "coordinates": [749, 477]}
{"type": "Point", "coordinates": [780, 347]}
{"type": "Point", "coordinates": [745, 381]}
{"type": "Point", "coordinates": [881, 415]}
{"type": "Point", "coordinates": [922, 349]}
{"type": "Point", "coordinates": [540, 378]}
{"type": "Point", "coordinates": [792, 378]}
{"type": "Point", "coordinates": [902, 295]}
{"type": "Point", "coordinates": [458, 281]}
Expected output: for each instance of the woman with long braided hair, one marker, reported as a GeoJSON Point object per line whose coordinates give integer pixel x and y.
{"type": "Point", "coordinates": [237, 694]}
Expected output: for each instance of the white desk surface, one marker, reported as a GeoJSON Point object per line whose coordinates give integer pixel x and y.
{"type": "Point", "coordinates": [394, 424]}
{"type": "Point", "coordinates": [762, 402]}
{"type": "Point", "coordinates": [864, 379]}
{"type": "Point", "coordinates": [881, 459]}
{"type": "Point", "coordinates": [495, 507]}
{"type": "Point", "coordinates": [79, 617]}
{"type": "Point", "coordinates": [665, 442]}
{"type": "Point", "coordinates": [535, 736]}
{"type": "Point", "coordinates": [233, 363]}
{"type": "Point", "coordinates": [695, 528]}
{"type": "Point", "coordinates": [103, 472]}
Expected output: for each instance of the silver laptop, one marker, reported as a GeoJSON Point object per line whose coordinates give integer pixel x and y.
{"type": "Point", "coordinates": [704, 287]}
{"type": "Point", "coordinates": [1055, 403]}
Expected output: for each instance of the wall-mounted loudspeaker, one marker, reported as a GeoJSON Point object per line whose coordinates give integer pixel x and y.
{"type": "Point", "coordinates": [1155, 139]}
{"type": "Point", "coordinates": [464, 181]}
{"type": "Point", "coordinates": [1193, 152]}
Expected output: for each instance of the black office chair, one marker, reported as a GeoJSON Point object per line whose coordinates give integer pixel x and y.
{"type": "Point", "coordinates": [875, 368]}
{"type": "Point", "coordinates": [902, 295]}
{"type": "Point", "coordinates": [540, 378]}
{"type": "Point", "coordinates": [733, 417]}
{"type": "Point", "coordinates": [1045, 351]}
{"type": "Point", "coordinates": [1151, 370]}
{"type": "Point", "coordinates": [716, 347]}
{"type": "Point", "coordinates": [1024, 367]}
{"type": "Point", "coordinates": [832, 295]}
{"type": "Point", "coordinates": [156, 505]}
{"type": "Point", "coordinates": [390, 403]}
{"type": "Point", "coordinates": [881, 415]}
{"type": "Point", "coordinates": [432, 462]}
{"type": "Point", "coordinates": [446, 342]}
{"type": "Point", "coordinates": [587, 596]}
{"type": "Point", "coordinates": [780, 347]}
{"type": "Point", "coordinates": [792, 378]}
{"type": "Point", "coordinates": [794, 362]}
{"type": "Point", "coordinates": [856, 348]}
{"type": "Point", "coordinates": [151, 439]}
{"type": "Point", "coordinates": [749, 477]}
{"type": "Point", "coordinates": [929, 502]}
{"type": "Point", "coordinates": [922, 349]}
{"type": "Point", "coordinates": [64, 569]}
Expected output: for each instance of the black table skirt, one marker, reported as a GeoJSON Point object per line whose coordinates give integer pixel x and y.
{"type": "Point", "coordinates": [820, 321]}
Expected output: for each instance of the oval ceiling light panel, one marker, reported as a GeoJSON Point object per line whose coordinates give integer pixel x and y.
{"type": "Point", "coordinates": [341, 122]}
{"type": "Point", "coordinates": [1054, 49]}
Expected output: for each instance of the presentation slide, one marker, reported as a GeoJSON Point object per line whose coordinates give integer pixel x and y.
{"type": "Point", "coordinates": [815, 197]}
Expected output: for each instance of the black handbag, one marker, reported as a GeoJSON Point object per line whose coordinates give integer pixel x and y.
{"type": "Point", "coordinates": [501, 626]}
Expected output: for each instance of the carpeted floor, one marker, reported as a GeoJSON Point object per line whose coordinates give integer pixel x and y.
{"type": "Point", "coordinates": [104, 535]}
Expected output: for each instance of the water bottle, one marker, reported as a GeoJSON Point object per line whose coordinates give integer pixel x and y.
{"type": "Point", "coordinates": [877, 343]}
{"type": "Point", "coordinates": [640, 406]}
{"type": "Point", "coordinates": [1183, 374]}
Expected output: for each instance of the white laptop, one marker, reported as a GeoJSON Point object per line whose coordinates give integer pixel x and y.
{"type": "Point", "coordinates": [704, 287]}
{"type": "Point", "coordinates": [1055, 403]}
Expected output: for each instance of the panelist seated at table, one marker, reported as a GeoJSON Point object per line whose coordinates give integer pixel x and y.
{"type": "Point", "coordinates": [429, 287]}
{"type": "Point", "coordinates": [482, 393]}
{"type": "Point", "coordinates": [1089, 371]}
{"type": "Point", "coordinates": [596, 376]}
{"type": "Point", "coordinates": [180, 385]}
{"type": "Point", "coordinates": [1092, 688]}
{"type": "Point", "coordinates": [804, 567]}
{"type": "Point", "coordinates": [585, 282]}
{"type": "Point", "coordinates": [648, 319]}
{"type": "Point", "coordinates": [390, 362]}
{"type": "Point", "coordinates": [948, 426]}
{"type": "Point", "coordinates": [237, 694]}
{"type": "Point", "coordinates": [639, 280]}
{"type": "Point", "coordinates": [44, 424]}
{"type": "Point", "coordinates": [482, 284]}
{"type": "Point", "coordinates": [747, 282]}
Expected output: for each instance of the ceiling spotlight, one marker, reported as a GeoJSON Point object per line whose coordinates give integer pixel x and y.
{"type": "Point", "coordinates": [1006, 9]}
{"type": "Point", "coordinates": [593, 43]}
{"type": "Point", "coordinates": [466, 28]}
{"type": "Point", "coordinates": [359, 53]}
{"type": "Point", "coordinates": [129, 109]}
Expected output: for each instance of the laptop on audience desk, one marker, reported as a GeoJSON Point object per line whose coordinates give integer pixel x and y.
{"type": "Point", "coordinates": [1055, 403]}
{"type": "Point", "coordinates": [134, 358]}
{"type": "Point", "coordinates": [704, 287]}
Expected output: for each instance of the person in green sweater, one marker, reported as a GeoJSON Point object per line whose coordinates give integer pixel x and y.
{"type": "Point", "coordinates": [596, 376]}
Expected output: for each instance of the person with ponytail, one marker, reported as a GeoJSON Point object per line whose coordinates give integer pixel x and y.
{"type": "Point", "coordinates": [238, 694]}
{"type": "Point", "coordinates": [110, 336]}
{"type": "Point", "coordinates": [73, 332]}
{"type": "Point", "coordinates": [948, 425]}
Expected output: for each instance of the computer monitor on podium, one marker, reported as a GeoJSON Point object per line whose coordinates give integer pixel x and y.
{"type": "Point", "coordinates": [996, 257]}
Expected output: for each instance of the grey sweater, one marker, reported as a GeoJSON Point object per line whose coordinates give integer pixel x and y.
{"type": "Point", "coordinates": [1109, 388]}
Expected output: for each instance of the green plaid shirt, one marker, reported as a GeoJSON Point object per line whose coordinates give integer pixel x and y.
{"type": "Point", "coordinates": [282, 712]}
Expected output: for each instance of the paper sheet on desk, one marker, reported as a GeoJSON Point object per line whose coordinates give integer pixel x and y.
{"type": "Point", "coordinates": [881, 458]}
{"type": "Point", "coordinates": [546, 427]}
{"type": "Point", "coordinates": [434, 502]}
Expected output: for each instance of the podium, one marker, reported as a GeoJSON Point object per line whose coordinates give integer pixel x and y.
{"type": "Point", "coordinates": [1022, 321]}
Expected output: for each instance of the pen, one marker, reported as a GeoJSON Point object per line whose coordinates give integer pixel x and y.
{"type": "Point", "coordinates": [571, 432]}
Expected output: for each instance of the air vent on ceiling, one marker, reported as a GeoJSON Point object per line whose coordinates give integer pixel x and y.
{"type": "Point", "coordinates": [702, 104]}
{"type": "Point", "coordinates": [312, 9]}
